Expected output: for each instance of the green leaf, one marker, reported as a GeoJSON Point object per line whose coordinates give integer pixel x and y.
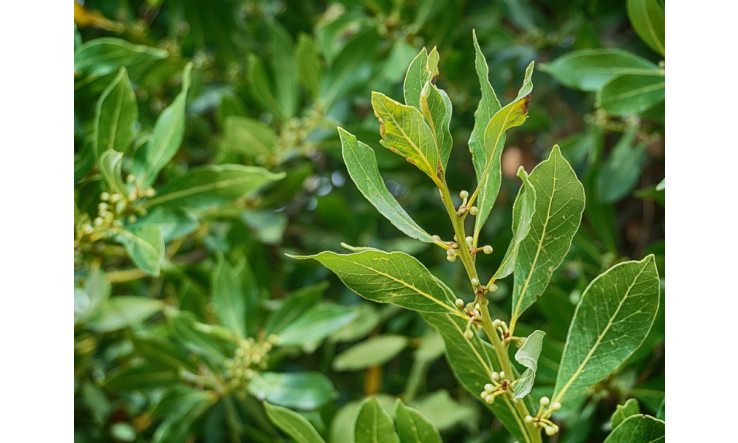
{"type": "Point", "coordinates": [261, 88]}
{"type": "Point", "coordinates": [176, 426]}
{"type": "Point", "coordinates": [115, 115]}
{"type": "Point", "coordinates": [352, 68]}
{"type": "Point", "coordinates": [95, 294]}
{"type": "Point", "coordinates": [405, 132]}
{"type": "Point", "coordinates": [473, 361]}
{"type": "Point", "coordinates": [559, 207]}
{"type": "Point", "coordinates": [284, 68]}
{"type": "Point", "coordinates": [124, 311]}
{"type": "Point", "coordinates": [412, 427]}
{"type": "Point", "coordinates": [523, 210]}
{"type": "Point", "coordinates": [627, 94]}
{"type": "Point", "coordinates": [316, 324]}
{"type": "Point", "coordinates": [296, 390]}
{"type": "Point", "coordinates": [309, 65]}
{"type": "Point", "coordinates": [110, 168]}
{"type": "Point", "coordinates": [174, 222]}
{"type": "Point", "coordinates": [250, 137]}
{"type": "Point", "coordinates": [588, 69]}
{"type": "Point", "coordinates": [639, 429]}
{"type": "Point", "coordinates": [292, 424]}
{"type": "Point", "coordinates": [389, 277]}
{"type": "Point", "coordinates": [622, 412]}
{"type": "Point", "coordinates": [487, 162]}
{"type": "Point", "coordinates": [362, 167]}
{"type": "Point", "coordinates": [106, 55]}
{"type": "Point", "coordinates": [185, 328]}
{"type": "Point", "coordinates": [415, 79]}
{"type": "Point", "coordinates": [436, 108]}
{"type": "Point", "coordinates": [294, 304]}
{"type": "Point", "coordinates": [527, 356]}
{"type": "Point", "coordinates": [373, 424]}
{"type": "Point", "coordinates": [622, 169]}
{"type": "Point", "coordinates": [373, 352]}
{"type": "Point", "coordinates": [162, 352]}
{"type": "Point", "coordinates": [229, 301]}
{"type": "Point", "coordinates": [213, 185]}
{"type": "Point", "coordinates": [445, 413]}
{"type": "Point", "coordinates": [612, 319]}
{"type": "Point", "coordinates": [168, 133]}
{"type": "Point", "coordinates": [141, 377]}
{"type": "Point", "coordinates": [144, 245]}
{"type": "Point", "coordinates": [649, 22]}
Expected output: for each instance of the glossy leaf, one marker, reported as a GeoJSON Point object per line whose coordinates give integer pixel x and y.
{"type": "Point", "coordinates": [296, 390]}
{"type": "Point", "coordinates": [559, 207]}
{"type": "Point", "coordinates": [649, 22]}
{"type": "Point", "coordinates": [612, 319]}
{"type": "Point", "coordinates": [487, 162]}
{"type": "Point", "coordinates": [192, 406]}
{"type": "Point", "coordinates": [294, 305]}
{"type": "Point", "coordinates": [292, 424]}
{"type": "Point", "coordinates": [405, 133]}
{"type": "Point", "coordinates": [309, 65]}
{"type": "Point", "coordinates": [228, 299]}
{"type": "Point", "coordinates": [627, 94]}
{"type": "Point", "coordinates": [213, 185]}
{"type": "Point", "coordinates": [144, 244]}
{"type": "Point", "coordinates": [412, 427]}
{"type": "Point", "coordinates": [315, 324]}
{"type": "Point", "coordinates": [639, 429]}
{"type": "Point", "coordinates": [124, 311]}
{"type": "Point", "coordinates": [115, 115]}
{"type": "Point", "coordinates": [103, 56]}
{"type": "Point", "coordinates": [622, 412]}
{"type": "Point", "coordinates": [373, 352]}
{"type": "Point", "coordinates": [527, 356]}
{"type": "Point", "coordinates": [110, 168]}
{"type": "Point", "coordinates": [362, 167]}
{"type": "Point", "coordinates": [168, 133]}
{"type": "Point", "coordinates": [523, 210]}
{"type": "Point", "coordinates": [389, 277]}
{"type": "Point", "coordinates": [373, 424]}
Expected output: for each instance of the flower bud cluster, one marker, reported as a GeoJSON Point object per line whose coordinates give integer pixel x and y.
{"type": "Point", "coordinates": [114, 208]}
{"type": "Point", "coordinates": [499, 386]}
{"type": "Point", "coordinates": [542, 419]}
{"type": "Point", "coordinates": [249, 357]}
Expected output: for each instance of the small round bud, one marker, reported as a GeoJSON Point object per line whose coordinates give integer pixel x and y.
{"type": "Point", "coordinates": [115, 197]}
{"type": "Point", "coordinates": [104, 196]}
{"type": "Point", "coordinates": [473, 210]}
{"type": "Point", "coordinates": [475, 283]}
{"type": "Point", "coordinates": [98, 221]}
{"type": "Point", "coordinates": [451, 252]}
{"type": "Point", "coordinates": [483, 395]}
{"type": "Point", "coordinates": [497, 324]}
{"type": "Point", "coordinates": [469, 241]}
{"type": "Point", "coordinates": [102, 206]}
{"type": "Point", "coordinates": [544, 401]}
{"type": "Point", "coordinates": [556, 406]}
{"type": "Point", "coordinates": [490, 399]}
{"type": "Point", "coordinates": [464, 194]}
{"type": "Point", "coordinates": [132, 219]}
{"type": "Point", "coordinates": [130, 178]}
{"type": "Point", "coordinates": [492, 288]}
{"type": "Point", "coordinates": [117, 223]}
{"type": "Point", "coordinates": [528, 419]}
{"type": "Point", "coordinates": [489, 388]}
{"type": "Point", "coordinates": [460, 303]}
{"type": "Point", "coordinates": [468, 335]}
{"type": "Point", "coordinates": [495, 376]}
{"type": "Point", "coordinates": [103, 213]}
{"type": "Point", "coordinates": [487, 249]}
{"type": "Point", "coordinates": [550, 431]}
{"type": "Point", "coordinates": [437, 238]}
{"type": "Point", "coordinates": [502, 374]}
{"type": "Point", "coordinates": [451, 258]}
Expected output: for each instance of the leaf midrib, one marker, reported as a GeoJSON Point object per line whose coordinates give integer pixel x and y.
{"type": "Point", "coordinates": [404, 134]}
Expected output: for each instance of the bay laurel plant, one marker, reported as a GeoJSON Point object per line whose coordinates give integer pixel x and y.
{"type": "Point", "coordinates": [613, 316]}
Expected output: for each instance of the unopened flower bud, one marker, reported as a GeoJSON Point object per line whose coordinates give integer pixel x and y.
{"type": "Point", "coordinates": [550, 431]}
{"type": "Point", "coordinates": [483, 395]}
{"type": "Point", "coordinates": [544, 401]}
{"type": "Point", "coordinates": [556, 406]}
{"type": "Point", "coordinates": [464, 194]}
{"type": "Point", "coordinates": [502, 374]}
{"type": "Point", "coordinates": [149, 192]}
{"type": "Point", "coordinates": [473, 210]}
{"type": "Point", "coordinates": [460, 303]}
{"type": "Point", "coordinates": [495, 376]}
{"type": "Point", "coordinates": [130, 178]}
{"type": "Point", "coordinates": [489, 388]}
{"type": "Point", "coordinates": [104, 196]}
{"type": "Point", "coordinates": [475, 282]}
{"type": "Point", "coordinates": [528, 419]}
{"type": "Point", "coordinates": [132, 219]}
{"type": "Point", "coordinates": [88, 229]}
{"type": "Point", "coordinates": [490, 399]}
{"type": "Point", "coordinates": [115, 197]}
{"type": "Point", "coordinates": [436, 238]}
{"type": "Point", "coordinates": [468, 334]}
{"type": "Point", "coordinates": [492, 288]}
{"type": "Point", "coordinates": [487, 249]}
{"type": "Point", "coordinates": [470, 241]}
{"type": "Point", "coordinates": [451, 258]}
{"type": "Point", "coordinates": [98, 221]}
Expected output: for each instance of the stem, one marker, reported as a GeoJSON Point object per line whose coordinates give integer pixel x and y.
{"type": "Point", "coordinates": [458, 224]}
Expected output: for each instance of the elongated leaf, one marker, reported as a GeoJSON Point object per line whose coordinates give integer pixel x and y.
{"type": "Point", "coordinates": [315, 324]}
{"type": "Point", "coordinates": [362, 167]}
{"type": "Point", "coordinates": [261, 88]}
{"type": "Point", "coordinates": [373, 424]}
{"type": "Point", "coordinates": [174, 223]}
{"type": "Point", "coordinates": [229, 301]}
{"type": "Point", "coordinates": [622, 169]}
{"type": "Point", "coordinates": [412, 427]}
{"type": "Point", "coordinates": [176, 426]}
{"type": "Point", "coordinates": [389, 277]}
{"type": "Point", "coordinates": [309, 65]}
{"type": "Point", "coordinates": [559, 207]}
{"type": "Point", "coordinates": [294, 305]}
{"type": "Point", "coordinates": [588, 69]}
{"type": "Point", "coordinates": [352, 68]}
{"type": "Point", "coordinates": [639, 429]}
{"type": "Point", "coordinates": [375, 351]}
{"type": "Point", "coordinates": [292, 424]}
{"type": "Point", "coordinates": [250, 137]}
{"type": "Point", "coordinates": [168, 133]}
{"type": "Point", "coordinates": [527, 356]}
{"type": "Point", "coordinates": [415, 79]}
{"type": "Point", "coordinates": [162, 352]}
{"type": "Point", "coordinates": [213, 185]}
{"type": "Point", "coordinates": [185, 330]}
{"type": "Point", "coordinates": [124, 311]}
{"type": "Point", "coordinates": [473, 362]}
{"type": "Point", "coordinates": [110, 168]}
{"type": "Point", "coordinates": [103, 56]}
{"type": "Point", "coordinates": [626, 94]}
{"type": "Point", "coordinates": [144, 245]}
{"type": "Point", "coordinates": [649, 22]}
{"type": "Point", "coordinates": [296, 390]}
{"type": "Point", "coordinates": [115, 115]}
{"type": "Point", "coordinates": [283, 67]}
{"type": "Point", "coordinates": [405, 132]}
{"type": "Point", "coordinates": [140, 378]}
{"type": "Point", "coordinates": [622, 412]}
{"type": "Point", "coordinates": [436, 108]}
{"type": "Point", "coordinates": [488, 165]}
{"type": "Point", "coordinates": [523, 210]}
{"type": "Point", "coordinates": [611, 321]}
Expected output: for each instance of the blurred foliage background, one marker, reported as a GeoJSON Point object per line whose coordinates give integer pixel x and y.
{"type": "Point", "coordinates": [159, 355]}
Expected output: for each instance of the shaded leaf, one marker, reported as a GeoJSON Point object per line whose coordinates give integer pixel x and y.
{"type": "Point", "coordinates": [144, 244]}
{"type": "Point", "coordinates": [294, 304]}
{"type": "Point", "coordinates": [292, 424]}
{"type": "Point", "coordinates": [649, 22]}
{"type": "Point", "coordinates": [261, 88]}
{"type": "Point", "coordinates": [523, 210]}
{"type": "Point", "coordinates": [375, 351]}
{"type": "Point", "coordinates": [141, 377]}
{"type": "Point", "coordinates": [110, 168]}
{"type": "Point", "coordinates": [622, 412]}
{"type": "Point", "coordinates": [412, 427]}
{"type": "Point", "coordinates": [106, 55]}
{"type": "Point", "coordinates": [315, 324]}
{"type": "Point", "coordinates": [176, 426]}
{"type": "Point", "coordinates": [161, 352]}
{"type": "Point", "coordinates": [373, 424]}
{"type": "Point", "coordinates": [184, 328]}
{"type": "Point", "coordinates": [627, 94]}
{"type": "Point", "coordinates": [124, 311]}
{"type": "Point", "coordinates": [622, 169]}
{"type": "Point", "coordinates": [250, 137]}
{"type": "Point", "coordinates": [309, 65]}
{"type": "Point", "coordinates": [229, 301]}
{"type": "Point", "coordinates": [527, 356]}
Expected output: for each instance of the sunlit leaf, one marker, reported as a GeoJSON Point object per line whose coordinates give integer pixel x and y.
{"type": "Point", "coordinates": [292, 424]}
{"type": "Point", "coordinates": [373, 424]}
{"type": "Point", "coordinates": [639, 429]}
{"type": "Point", "coordinates": [523, 210]}
{"type": "Point", "coordinates": [412, 427]}
{"type": "Point", "coordinates": [144, 245]}
{"type": "Point", "coordinates": [115, 115]}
